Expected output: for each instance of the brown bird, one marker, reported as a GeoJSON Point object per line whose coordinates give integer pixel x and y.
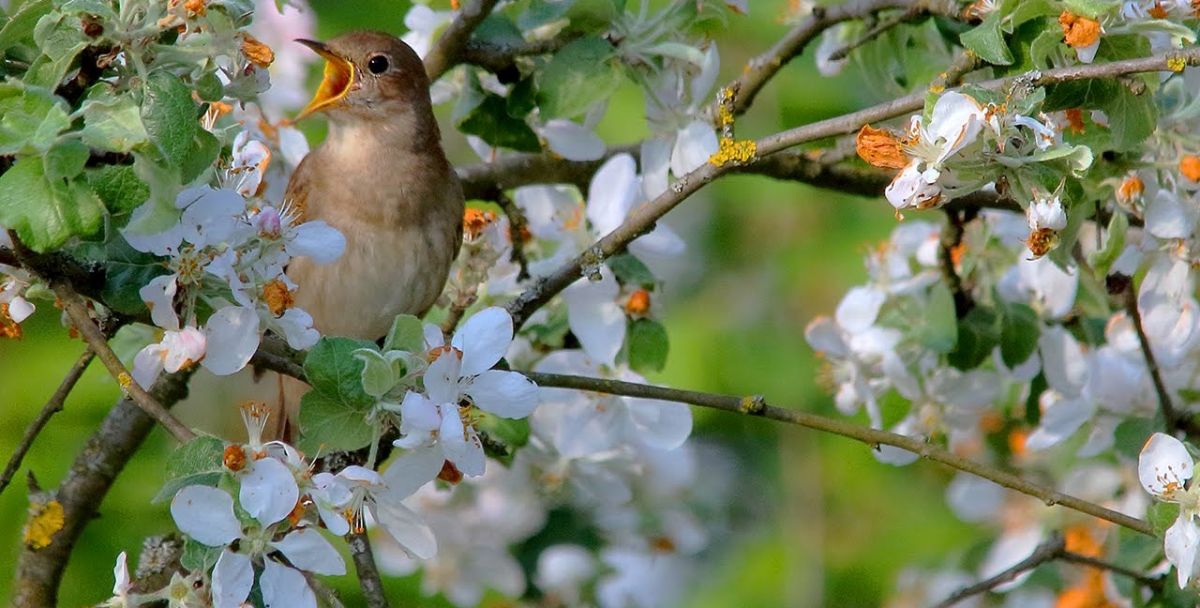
{"type": "Point", "coordinates": [382, 179]}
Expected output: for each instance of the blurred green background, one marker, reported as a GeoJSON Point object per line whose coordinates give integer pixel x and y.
{"type": "Point", "coordinates": [771, 256]}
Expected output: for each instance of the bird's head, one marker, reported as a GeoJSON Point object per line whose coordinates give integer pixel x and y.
{"type": "Point", "coordinates": [368, 76]}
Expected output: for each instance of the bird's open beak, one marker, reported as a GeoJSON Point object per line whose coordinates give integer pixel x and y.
{"type": "Point", "coordinates": [339, 77]}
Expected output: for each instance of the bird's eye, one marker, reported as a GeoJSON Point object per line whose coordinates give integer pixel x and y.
{"type": "Point", "coordinates": [377, 64]}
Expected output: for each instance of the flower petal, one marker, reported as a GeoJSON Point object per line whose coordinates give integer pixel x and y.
{"type": "Point", "coordinates": [284, 587]}
{"type": "Point", "coordinates": [460, 443]}
{"type": "Point", "coordinates": [232, 339]}
{"type": "Point", "coordinates": [694, 144]}
{"type": "Point", "coordinates": [572, 141]}
{"type": "Point", "coordinates": [410, 471]}
{"type": "Point", "coordinates": [406, 528]}
{"type": "Point", "coordinates": [483, 339]}
{"type": "Point", "coordinates": [308, 550]}
{"type": "Point", "coordinates": [269, 492]}
{"type": "Point", "coordinates": [505, 394]}
{"type": "Point", "coordinates": [1180, 544]}
{"type": "Point", "coordinates": [232, 579]}
{"type": "Point", "coordinates": [317, 240]}
{"type": "Point", "coordinates": [206, 514]}
{"type": "Point", "coordinates": [1164, 465]}
{"type": "Point", "coordinates": [159, 296]}
{"type": "Point", "coordinates": [612, 192]}
{"type": "Point", "coordinates": [595, 317]}
{"type": "Point", "coordinates": [859, 308]}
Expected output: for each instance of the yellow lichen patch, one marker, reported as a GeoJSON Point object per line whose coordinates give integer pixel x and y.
{"type": "Point", "coordinates": [752, 404]}
{"type": "Point", "coordinates": [8, 328]}
{"type": "Point", "coordinates": [125, 380]}
{"type": "Point", "coordinates": [880, 148]}
{"type": "Point", "coordinates": [45, 519]}
{"type": "Point", "coordinates": [1177, 64]}
{"type": "Point", "coordinates": [1079, 31]}
{"type": "Point", "coordinates": [724, 109]}
{"type": "Point", "coordinates": [1131, 189]}
{"type": "Point", "coordinates": [277, 297]}
{"type": "Point", "coordinates": [256, 52]}
{"type": "Point", "coordinates": [734, 151]}
{"type": "Point", "coordinates": [638, 303]}
{"type": "Point", "coordinates": [1189, 166]}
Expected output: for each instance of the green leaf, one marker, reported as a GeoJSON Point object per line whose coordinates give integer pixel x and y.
{"type": "Point", "coordinates": [486, 115]}
{"type": "Point", "coordinates": [45, 212]}
{"type": "Point", "coordinates": [513, 433]}
{"type": "Point", "coordinates": [1018, 334]}
{"type": "Point", "coordinates": [198, 557]}
{"type": "Point", "coordinates": [204, 151]}
{"type": "Point", "coordinates": [1114, 243]}
{"type": "Point", "coordinates": [331, 368]}
{"type": "Point", "coordinates": [197, 462]}
{"type": "Point", "coordinates": [65, 159]}
{"type": "Point", "coordinates": [646, 345]}
{"type": "Point", "coordinates": [978, 334]}
{"type": "Point", "coordinates": [1092, 8]}
{"type": "Point", "coordinates": [1131, 118]}
{"type": "Point", "coordinates": [169, 116]}
{"type": "Point", "coordinates": [937, 327]}
{"type": "Point", "coordinates": [60, 39]}
{"type": "Point", "coordinates": [378, 375]}
{"type": "Point", "coordinates": [1028, 10]}
{"type": "Point", "coordinates": [593, 14]}
{"type": "Point", "coordinates": [987, 41]}
{"type": "Point", "coordinates": [21, 25]}
{"type": "Point", "coordinates": [407, 334]}
{"type": "Point", "coordinates": [113, 123]}
{"type": "Point", "coordinates": [209, 87]}
{"type": "Point", "coordinates": [333, 416]}
{"type": "Point", "coordinates": [30, 118]}
{"type": "Point", "coordinates": [1162, 515]}
{"type": "Point", "coordinates": [331, 424]}
{"type": "Point", "coordinates": [631, 271]}
{"type": "Point", "coordinates": [1131, 434]}
{"type": "Point", "coordinates": [1033, 407]}
{"type": "Point", "coordinates": [580, 75]}
{"type": "Point", "coordinates": [127, 270]}
{"type": "Point", "coordinates": [118, 186]}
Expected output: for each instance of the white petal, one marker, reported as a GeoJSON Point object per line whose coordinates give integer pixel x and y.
{"type": "Point", "coordinates": [269, 492]}
{"type": "Point", "coordinates": [210, 215]}
{"type": "Point", "coordinates": [293, 145]}
{"type": "Point", "coordinates": [296, 325]}
{"type": "Point", "coordinates": [317, 240]}
{"type": "Point", "coordinates": [147, 365]}
{"type": "Point", "coordinates": [1168, 217]}
{"type": "Point", "coordinates": [233, 336]}
{"type": "Point", "coordinates": [595, 317]}
{"type": "Point", "coordinates": [955, 122]}
{"type": "Point", "coordinates": [660, 424]}
{"type": "Point", "coordinates": [284, 587]}
{"type": "Point", "coordinates": [824, 335]}
{"type": "Point", "coordinates": [505, 394]}
{"type": "Point", "coordinates": [572, 141]}
{"type": "Point", "coordinates": [661, 242]}
{"type": "Point", "coordinates": [442, 379]}
{"type": "Point", "coordinates": [121, 575]}
{"type": "Point", "coordinates": [1061, 417]}
{"type": "Point", "coordinates": [483, 339]}
{"type": "Point", "coordinates": [411, 470]}
{"type": "Point", "coordinates": [709, 69]}
{"type": "Point", "coordinates": [232, 579]}
{"type": "Point", "coordinates": [182, 348]}
{"type": "Point", "coordinates": [159, 296]}
{"type": "Point", "coordinates": [460, 443]}
{"type": "Point", "coordinates": [656, 166]}
{"type": "Point", "coordinates": [612, 193]}
{"type": "Point", "coordinates": [859, 308]}
{"type": "Point", "coordinates": [1180, 544]}
{"type": "Point", "coordinates": [418, 413]}
{"type": "Point", "coordinates": [694, 144]}
{"type": "Point", "coordinates": [308, 550]}
{"type": "Point", "coordinates": [206, 514]}
{"type": "Point", "coordinates": [1164, 465]}
{"type": "Point", "coordinates": [19, 309]}
{"type": "Point", "coordinates": [406, 528]}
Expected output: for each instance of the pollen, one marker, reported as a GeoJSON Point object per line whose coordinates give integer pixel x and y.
{"type": "Point", "coordinates": [297, 513]}
{"type": "Point", "coordinates": [1042, 241]}
{"type": "Point", "coordinates": [880, 148]}
{"type": "Point", "coordinates": [450, 473]}
{"type": "Point", "coordinates": [8, 327]}
{"type": "Point", "coordinates": [738, 152]}
{"type": "Point", "coordinates": [1189, 166]}
{"type": "Point", "coordinates": [1075, 121]}
{"type": "Point", "coordinates": [196, 8]}
{"type": "Point", "coordinates": [475, 221]}
{"type": "Point", "coordinates": [638, 303]}
{"type": "Point", "coordinates": [277, 297]}
{"type": "Point", "coordinates": [1016, 442]}
{"type": "Point", "coordinates": [46, 518]}
{"type": "Point", "coordinates": [1131, 189]}
{"type": "Point", "coordinates": [256, 52]}
{"type": "Point", "coordinates": [1158, 11]}
{"type": "Point", "coordinates": [662, 544]}
{"type": "Point", "coordinates": [235, 457]}
{"type": "Point", "coordinates": [1079, 31]}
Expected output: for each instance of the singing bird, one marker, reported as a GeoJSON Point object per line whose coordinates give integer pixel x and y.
{"type": "Point", "coordinates": [382, 179]}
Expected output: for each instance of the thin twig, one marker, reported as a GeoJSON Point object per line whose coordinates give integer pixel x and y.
{"type": "Point", "coordinates": [1086, 560]}
{"type": "Point", "coordinates": [517, 227]}
{"type": "Point", "coordinates": [1048, 551]}
{"type": "Point", "coordinates": [950, 241]}
{"type": "Point", "coordinates": [756, 406]}
{"type": "Point", "coordinates": [965, 63]}
{"type": "Point", "coordinates": [52, 407]}
{"type": "Point", "coordinates": [448, 48]}
{"type": "Point", "coordinates": [77, 311]}
{"type": "Point", "coordinates": [1171, 416]}
{"type": "Point", "coordinates": [879, 29]}
{"type": "Point", "coordinates": [642, 220]}
{"type": "Point", "coordinates": [500, 58]}
{"type": "Point", "coordinates": [368, 573]}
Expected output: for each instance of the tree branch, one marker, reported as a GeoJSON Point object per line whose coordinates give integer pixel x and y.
{"type": "Point", "coordinates": [1048, 551]}
{"type": "Point", "coordinates": [52, 407]}
{"type": "Point", "coordinates": [368, 573]}
{"type": "Point", "coordinates": [77, 311]}
{"type": "Point", "coordinates": [757, 406]}
{"type": "Point", "coordinates": [447, 51]}
{"type": "Point", "coordinates": [1085, 560]}
{"type": "Point", "coordinates": [39, 571]}
{"type": "Point", "coordinates": [1171, 416]}
{"type": "Point", "coordinates": [642, 220]}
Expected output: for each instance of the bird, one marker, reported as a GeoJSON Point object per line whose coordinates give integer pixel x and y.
{"type": "Point", "coordinates": [382, 178]}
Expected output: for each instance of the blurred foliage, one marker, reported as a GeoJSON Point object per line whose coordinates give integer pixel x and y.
{"type": "Point", "coordinates": [772, 256]}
